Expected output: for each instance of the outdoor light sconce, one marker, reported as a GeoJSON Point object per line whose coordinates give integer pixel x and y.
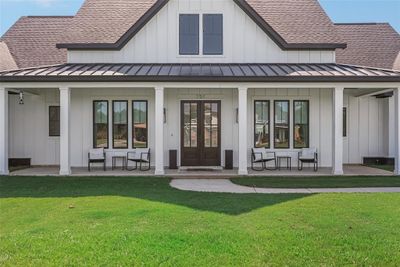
{"type": "Point", "coordinates": [21, 97]}
{"type": "Point", "coordinates": [165, 115]}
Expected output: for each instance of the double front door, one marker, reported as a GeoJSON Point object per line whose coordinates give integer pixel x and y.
{"type": "Point", "coordinates": [201, 133]}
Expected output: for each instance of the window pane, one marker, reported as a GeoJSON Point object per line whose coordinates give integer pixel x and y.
{"type": "Point", "coordinates": [100, 125]}
{"type": "Point", "coordinates": [190, 124]}
{"type": "Point", "coordinates": [301, 125]}
{"type": "Point", "coordinates": [189, 34]}
{"type": "Point", "coordinates": [54, 121]}
{"type": "Point", "coordinates": [261, 124]}
{"type": "Point", "coordinates": [211, 125]}
{"type": "Point", "coordinates": [120, 124]}
{"type": "Point", "coordinates": [139, 124]}
{"type": "Point", "coordinates": [212, 34]}
{"type": "Point", "coordinates": [281, 127]}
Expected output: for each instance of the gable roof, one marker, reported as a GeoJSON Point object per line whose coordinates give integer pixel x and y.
{"type": "Point", "coordinates": [370, 44]}
{"type": "Point", "coordinates": [31, 40]}
{"type": "Point", "coordinates": [7, 61]}
{"type": "Point", "coordinates": [292, 24]}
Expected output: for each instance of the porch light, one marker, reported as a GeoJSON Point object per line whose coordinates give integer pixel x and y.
{"type": "Point", "coordinates": [21, 97]}
{"type": "Point", "coordinates": [237, 115]}
{"type": "Point", "coordinates": [165, 115]}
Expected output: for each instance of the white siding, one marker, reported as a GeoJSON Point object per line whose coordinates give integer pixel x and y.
{"type": "Point", "coordinates": [244, 41]}
{"type": "Point", "coordinates": [368, 128]}
{"type": "Point", "coordinates": [369, 125]}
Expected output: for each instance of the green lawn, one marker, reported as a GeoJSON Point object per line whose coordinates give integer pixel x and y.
{"type": "Point", "coordinates": [319, 182]}
{"type": "Point", "coordinates": [115, 221]}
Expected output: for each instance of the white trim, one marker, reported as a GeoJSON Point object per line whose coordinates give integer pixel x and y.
{"type": "Point", "coordinates": [337, 146]}
{"type": "Point", "coordinates": [65, 131]}
{"type": "Point", "coordinates": [3, 131]}
{"type": "Point", "coordinates": [242, 101]}
{"type": "Point", "coordinates": [159, 130]}
{"type": "Point", "coordinates": [397, 130]}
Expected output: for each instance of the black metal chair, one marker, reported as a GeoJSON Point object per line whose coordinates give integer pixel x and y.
{"type": "Point", "coordinates": [308, 155]}
{"type": "Point", "coordinates": [261, 155]}
{"type": "Point", "coordinates": [139, 155]}
{"type": "Point", "coordinates": [97, 155]}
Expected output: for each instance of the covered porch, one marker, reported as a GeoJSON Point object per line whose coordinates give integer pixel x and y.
{"type": "Point", "coordinates": [326, 93]}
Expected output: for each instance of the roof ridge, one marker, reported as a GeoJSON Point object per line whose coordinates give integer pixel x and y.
{"type": "Point", "coordinates": [361, 23]}
{"type": "Point", "coordinates": [47, 16]}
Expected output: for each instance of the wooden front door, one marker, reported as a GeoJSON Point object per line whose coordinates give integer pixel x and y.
{"type": "Point", "coordinates": [201, 133]}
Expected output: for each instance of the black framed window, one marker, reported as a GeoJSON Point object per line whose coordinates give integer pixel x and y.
{"type": "Point", "coordinates": [301, 127]}
{"type": "Point", "coordinates": [261, 123]}
{"type": "Point", "coordinates": [281, 124]}
{"type": "Point", "coordinates": [120, 124]}
{"type": "Point", "coordinates": [188, 34]}
{"type": "Point", "coordinates": [100, 124]}
{"type": "Point", "coordinates": [54, 120]}
{"type": "Point", "coordinates": [212, 34]}
{"type": "Point", "coordinates": [344, 122]}
{"type": "Point", "coordinates": [139, 127]}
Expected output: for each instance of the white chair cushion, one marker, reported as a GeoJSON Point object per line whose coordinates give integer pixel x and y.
{"type": "Point", "coordinates": [262, 153]}
{"type": "Point", "coordinates": [308, 153]}
{"type": "Point", "coordinates": [96, 153]}
{"type": "Point", "coordinates": [139, 154]}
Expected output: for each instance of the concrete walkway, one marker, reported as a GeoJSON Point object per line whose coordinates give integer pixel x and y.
{"type": "Point", "coordinates": [226, 186]}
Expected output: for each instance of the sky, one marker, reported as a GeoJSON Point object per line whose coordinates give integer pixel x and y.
{"type": "Point", "coordinates": [338, 10]}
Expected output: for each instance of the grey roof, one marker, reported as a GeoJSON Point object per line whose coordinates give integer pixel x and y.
{"type": "Point", "coordinates": [202, 73]}
{"type": "Point", "coordinates": [369, 44]}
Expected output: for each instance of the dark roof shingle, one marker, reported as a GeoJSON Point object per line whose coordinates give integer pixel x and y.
{"type": "Point", "coordinates": [32, 40]}
{"type": "Point", "coordinates": [369, 44]}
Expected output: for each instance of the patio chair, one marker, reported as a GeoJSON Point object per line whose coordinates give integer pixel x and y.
{"type": "Point", "coordinates": [97, 155]}
{"type": "Point", "coordinates": [261, 155]}
{"type": "Point", "coordinates": [308, 155]}
{"type": "Point", "coordinates": [141, 156]}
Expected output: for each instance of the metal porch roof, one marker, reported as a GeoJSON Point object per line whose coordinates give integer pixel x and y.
{"type": "Point", "coordinates": [201, 73]}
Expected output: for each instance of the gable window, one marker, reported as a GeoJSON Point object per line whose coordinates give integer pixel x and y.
{"type": "Point", "coordinates": [212, 34]}
{"type": "Point", "coordinates": [120, 124]}
{"type": "Point", "coordinates": [54, 120]}
{"type": "Point", "coordinates": [301, 124]}
{"type": "Point", "coordinates": [281, 124]}
{"type": "Point", "coordinates": [188, 34]}
{"type": "Point", "coordinates": [100, 124]}
{"type": "Point", "coordinates": [139, 127]}
{"type": "Point", "coordinates": [261, 124]}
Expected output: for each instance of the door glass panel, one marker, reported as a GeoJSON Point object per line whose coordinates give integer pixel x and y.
{"type": "Point", "coordinates": [190, 125]}
{"type": "Point", "coordinates": [211, 125]}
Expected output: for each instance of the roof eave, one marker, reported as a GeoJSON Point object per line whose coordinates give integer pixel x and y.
{"type": "Point", "coordinates": [196, 79]}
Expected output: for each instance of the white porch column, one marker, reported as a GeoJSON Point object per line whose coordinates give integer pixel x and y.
{"type": "Point", "coordinates": [3, 131]}
{"type": "Point", "coordinates": [159, 130]}
{"type": "Point", "coordinates": [65, 133]}
{"type": "Point", "coordinates": [397, 130]}
{"type": "Point", "coordinates": [337, 147]}
{"type": "Point", "coordinates": [242, 94]}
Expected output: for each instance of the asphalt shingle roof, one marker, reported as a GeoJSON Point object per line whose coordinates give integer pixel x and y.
{"type": "Point", "coordinates": [370, 44]}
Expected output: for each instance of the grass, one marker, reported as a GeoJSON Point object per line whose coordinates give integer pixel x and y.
{"type": "Point", "coordinates": [100, 221]}
{"type": "Point", "coordinates": [319, 182]}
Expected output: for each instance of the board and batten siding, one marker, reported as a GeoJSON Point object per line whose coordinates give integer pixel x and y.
{"type": "Point", "coordinates": [370, 128]}
{"type": "Point", "coordinates": [158, 40]}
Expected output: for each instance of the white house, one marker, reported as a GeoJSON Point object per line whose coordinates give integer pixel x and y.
{"type": "Point", "coordinates": [199, 77]}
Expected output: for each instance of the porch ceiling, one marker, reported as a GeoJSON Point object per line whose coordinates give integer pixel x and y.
{"type": "Point", "coordinates": [201, 73]}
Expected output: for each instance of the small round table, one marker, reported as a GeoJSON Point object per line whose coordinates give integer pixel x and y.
{"type": "Point", "coordinates": [114, 161]}
{"type": "Point", "coordinates": [288, 162]}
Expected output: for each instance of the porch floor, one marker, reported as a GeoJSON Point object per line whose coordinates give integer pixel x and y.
{"type": "Point", "coordinates": [349, 170]}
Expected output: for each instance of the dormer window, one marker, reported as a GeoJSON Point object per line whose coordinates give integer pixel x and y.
{"type": "Point", "coordinates": [210, 34]}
